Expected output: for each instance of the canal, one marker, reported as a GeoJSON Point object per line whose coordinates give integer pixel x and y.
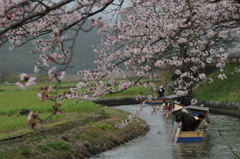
{"type": "Point", "coordinates": [222, 140]}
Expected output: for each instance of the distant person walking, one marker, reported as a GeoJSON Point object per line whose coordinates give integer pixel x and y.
{"type": "Point", "coordinates": [161, 91]}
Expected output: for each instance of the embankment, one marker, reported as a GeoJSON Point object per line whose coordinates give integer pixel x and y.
{"type": "Point", "coordinates": [224, 108]}
{"type": "Point", "coordinates": [91, 137]}
{"type": "Point", "coordinates": [80, 139]}
{"type": "Point", "coordinates": [118, 101]}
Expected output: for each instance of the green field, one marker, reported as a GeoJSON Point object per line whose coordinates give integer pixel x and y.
{"type": "Point", "coordinates": [13, 100]}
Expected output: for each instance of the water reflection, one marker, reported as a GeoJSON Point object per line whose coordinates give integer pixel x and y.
{"type": "Point", "coordinates": [222, 141]}
{"type": "Point", "coordinates": [193, 150]}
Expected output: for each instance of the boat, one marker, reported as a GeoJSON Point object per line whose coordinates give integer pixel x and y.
{"type": "Point", "coordinates": [192, 136]}
{"type": "Point", "coordinates": [168, 102]}
{"type": "Point", "coordinates": [156, 101]}
{"type": "Point", "coordinates": [163, 100]}
{"type": "Point", "coordinates": [184, 99]}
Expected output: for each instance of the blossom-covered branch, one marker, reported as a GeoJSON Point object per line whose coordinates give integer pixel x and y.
{"type": "Point", "coordinates": [186, 35]}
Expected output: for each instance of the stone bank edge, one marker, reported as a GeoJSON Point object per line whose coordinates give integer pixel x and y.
{"type": "Point", "coordinates": [224, 108]}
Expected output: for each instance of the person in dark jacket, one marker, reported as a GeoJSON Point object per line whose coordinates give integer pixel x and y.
{"type": "Point", "coordinates": [187, 119]}
{"type": "Point", "coordinates": [161, 91]}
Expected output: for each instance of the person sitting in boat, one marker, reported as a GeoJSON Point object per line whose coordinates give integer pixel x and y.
{"type": "Point", "coordinates": [184, 116]}
{"type": "Point", "coordinates": [167, 107]}
{"type": "Point", "coordinates": [161, 91]}
{"type": "Point", "coordinates": [201, 123]}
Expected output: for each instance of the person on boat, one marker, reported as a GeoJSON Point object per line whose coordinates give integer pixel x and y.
{"type": "Point", "coordinates": [161, 91]}
{"type": "Point", "coordinates": [201, 123]}
{"type": "Point", "coordinates": [184, 116]}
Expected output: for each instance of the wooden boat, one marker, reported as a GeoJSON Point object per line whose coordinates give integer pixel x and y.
{"type": "Point", "coordinates": [184, 100]}
{"type": "Point", "coordinates": [167, 102]}
{"type": "Point", "coordinates": [193, 136]}
{"type": "Point", "coordinates": [190, 136]}
{"type": "Point", "coordinates": [156, 101]}
{"type": "Point", "coordinates": [162, 100]}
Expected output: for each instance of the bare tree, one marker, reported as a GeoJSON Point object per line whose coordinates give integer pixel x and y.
{"type": "Point", "coordinates": [4, 74]}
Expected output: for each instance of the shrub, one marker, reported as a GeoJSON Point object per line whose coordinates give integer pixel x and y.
{"type": "Point", "coordinates": [43, 148]}
{"type": "Point", "coordinates": [104, 126]}
{"type": "Point", "coordinates": [57, 145]}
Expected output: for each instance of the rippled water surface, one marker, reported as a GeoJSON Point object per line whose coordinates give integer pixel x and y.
{"type": "Point", "coordinates": [222, 140]}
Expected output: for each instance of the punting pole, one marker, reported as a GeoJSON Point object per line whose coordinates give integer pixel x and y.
{"type": "Point", "coordinates": [177, 133]}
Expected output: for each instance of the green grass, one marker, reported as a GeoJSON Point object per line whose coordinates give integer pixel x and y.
{"type": "Point", "coordinates": [13, 100]}
{"type": "Point", "coordinates": [36, 139]}
{"type": "Point", "coordinates": [13, 87]}
{"type": "Point", "coordinates": [104, 126]}
{"type": "Point", "coordinates": [17, 124]}
{"type": "Point", "coordinates": [25, 151]}
{"type": "Point", "coordinates": [58, 145]}
{"type": "Point", "coordinates": [220, 90]}
{"type": "Point", "coordinates": [85, 106]}
{"type": "Point", "coordinates": [43, 148]}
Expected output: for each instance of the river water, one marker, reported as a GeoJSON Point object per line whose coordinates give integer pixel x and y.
{"type": "Point", "coordinates": [222, 140]}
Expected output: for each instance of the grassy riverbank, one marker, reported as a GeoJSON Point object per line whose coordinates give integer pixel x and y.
{"type": "Point", "coordinates": [76, 139]}
{"type": "Point", "coordinates": [224, 92]}
{"type": "Point", "coordinates": [13, 100]}
{"type": "Point", "coordinates": [86, 128]}
{"type": "Point", "coordinates": [227, 90]}
{"type": "Point", "coordinates": [82, 130]}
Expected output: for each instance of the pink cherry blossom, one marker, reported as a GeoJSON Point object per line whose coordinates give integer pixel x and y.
{"type": "Point", "coordinates": [31, 81]}
{"type": "Point", "coordinates": [33, 120]}
{"type": "Point", "coordinates": [24, 77]}
{"type": "Point", "coordinates": [21, 85]}
{"type": "Point", "coordinates": [153, 36]}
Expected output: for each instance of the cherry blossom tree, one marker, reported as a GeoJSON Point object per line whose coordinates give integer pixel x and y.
{"type": "Point", "coordinates": [186, 35]}
{"type": "Point", "coordinates": [153, 35]}
{"type": "Point", "coordinates": [45, 24]}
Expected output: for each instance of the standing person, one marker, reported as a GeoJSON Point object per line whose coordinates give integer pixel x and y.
{"type": "Point", "coordinates": [187, 119]}
{"type": "Point", "coordinates": [161, 91]}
